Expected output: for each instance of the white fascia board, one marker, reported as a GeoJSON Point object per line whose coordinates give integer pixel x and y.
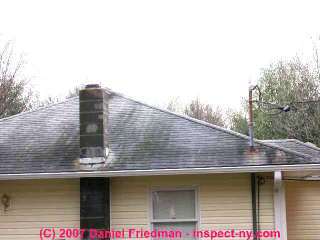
{"type": "Point", "coordinates": [124, 173]}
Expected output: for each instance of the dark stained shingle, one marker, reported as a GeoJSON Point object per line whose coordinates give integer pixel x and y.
{"type": "Point", "coordinates": [141, 137]}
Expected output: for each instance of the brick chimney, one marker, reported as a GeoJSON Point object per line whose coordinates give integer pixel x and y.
{"type": "Point", "coordinates": [93, 126]}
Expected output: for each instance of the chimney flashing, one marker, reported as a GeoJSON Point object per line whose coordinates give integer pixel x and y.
{"type": "Point", "coordinates": [93, 160]}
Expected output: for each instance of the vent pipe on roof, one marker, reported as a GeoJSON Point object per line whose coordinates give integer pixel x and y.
{"type": "Point", "coordinates": [251, 88]}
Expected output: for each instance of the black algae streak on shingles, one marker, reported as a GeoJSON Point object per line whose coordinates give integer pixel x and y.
{"type": "Point", "coordinates": [139, 137]}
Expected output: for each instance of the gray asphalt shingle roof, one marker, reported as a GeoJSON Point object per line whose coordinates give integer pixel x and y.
{"type": "Point", "coordinates": [141, 137]}
{"type": "Point", "coordinates": [296, 145]}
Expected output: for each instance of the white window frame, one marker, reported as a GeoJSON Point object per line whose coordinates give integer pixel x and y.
{"type": "Point", "coordinates": [195, 220]}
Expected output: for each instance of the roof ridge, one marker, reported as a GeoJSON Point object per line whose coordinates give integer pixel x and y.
{"type": "Point", "coordinates": [203, 123]}
{"type": "Point", "coordinates": [37, 109]}
{"type": "Point", "coordinates": [306, 144]}
{"type": "Point", "coordinates": [213, 126]}
{"type": "Point", "coordinates": [293, 140]}
{"type": "Point", "coordinates": [278, 140]}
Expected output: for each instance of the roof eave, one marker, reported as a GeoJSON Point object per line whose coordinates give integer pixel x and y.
{"type": "Point", "coordinates": [163, 172]}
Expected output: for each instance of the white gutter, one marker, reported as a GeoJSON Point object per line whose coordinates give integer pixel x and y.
{"type": "Point", "coordinates": [124, 173]}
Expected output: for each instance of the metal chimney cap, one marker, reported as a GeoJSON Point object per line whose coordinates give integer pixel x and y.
{"type": "Point", "coordinates": [94, 85]}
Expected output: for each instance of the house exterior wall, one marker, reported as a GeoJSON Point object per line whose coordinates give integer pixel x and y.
{"type": "Point", "coordinates": [224, 200]}
{"type": "Point", "coordinates": [303, 210]}
{"type": "Point", "coordinates": [36, 204]}
{"type": "Point", "coordinates": [224, 203]}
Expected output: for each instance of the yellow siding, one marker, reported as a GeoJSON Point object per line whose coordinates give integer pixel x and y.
{"type": "Point", "coordinates": [36, 204]}
{"type": "Point", "coordinates": [266, 203]}
{"type": "Point", "coordinates": [303, 210]}
{"type": "Point", "coordinates": [224, 202]}
{"type": "Point", "coordinates": [224, 199]}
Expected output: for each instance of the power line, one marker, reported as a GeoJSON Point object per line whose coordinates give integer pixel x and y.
{"type": "Point", "coordinates": [307, 101]}
{"type": "Point", "coordinates": [283, 108]}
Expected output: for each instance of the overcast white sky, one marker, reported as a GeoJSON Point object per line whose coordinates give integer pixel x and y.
{"type": "Point", "coordinates": [157, 50]}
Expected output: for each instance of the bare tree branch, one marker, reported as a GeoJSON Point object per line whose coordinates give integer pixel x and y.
{"type": "Point", "coordinates": [14, 94]}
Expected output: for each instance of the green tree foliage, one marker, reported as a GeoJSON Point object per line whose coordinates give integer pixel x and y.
{"type": "Point", "coordinates": [291, 83]}
{"type": "Point", "coordinates": [15, 97]}
{"type": "Point", "coordinates": [239, 122]}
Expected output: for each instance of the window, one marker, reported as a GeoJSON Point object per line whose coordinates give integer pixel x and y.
{"type": "Point", "coordinates": [175, 209]}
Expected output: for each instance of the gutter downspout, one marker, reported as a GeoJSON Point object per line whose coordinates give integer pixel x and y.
{"type": "Point", "coordinates": [253, 175]}
{"type": "Point", "coordinates": [254, 205]}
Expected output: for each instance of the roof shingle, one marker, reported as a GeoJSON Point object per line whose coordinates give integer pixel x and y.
{"type": "Point", "coordinates": [141, 137]}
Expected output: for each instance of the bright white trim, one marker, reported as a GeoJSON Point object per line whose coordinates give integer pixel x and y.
{"type": "Point", "coordinates": [279, 198]}
{"type": "Point", "coordinates": [126, 173]}
{"type": "Point", "coordinates": [185, 220]}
